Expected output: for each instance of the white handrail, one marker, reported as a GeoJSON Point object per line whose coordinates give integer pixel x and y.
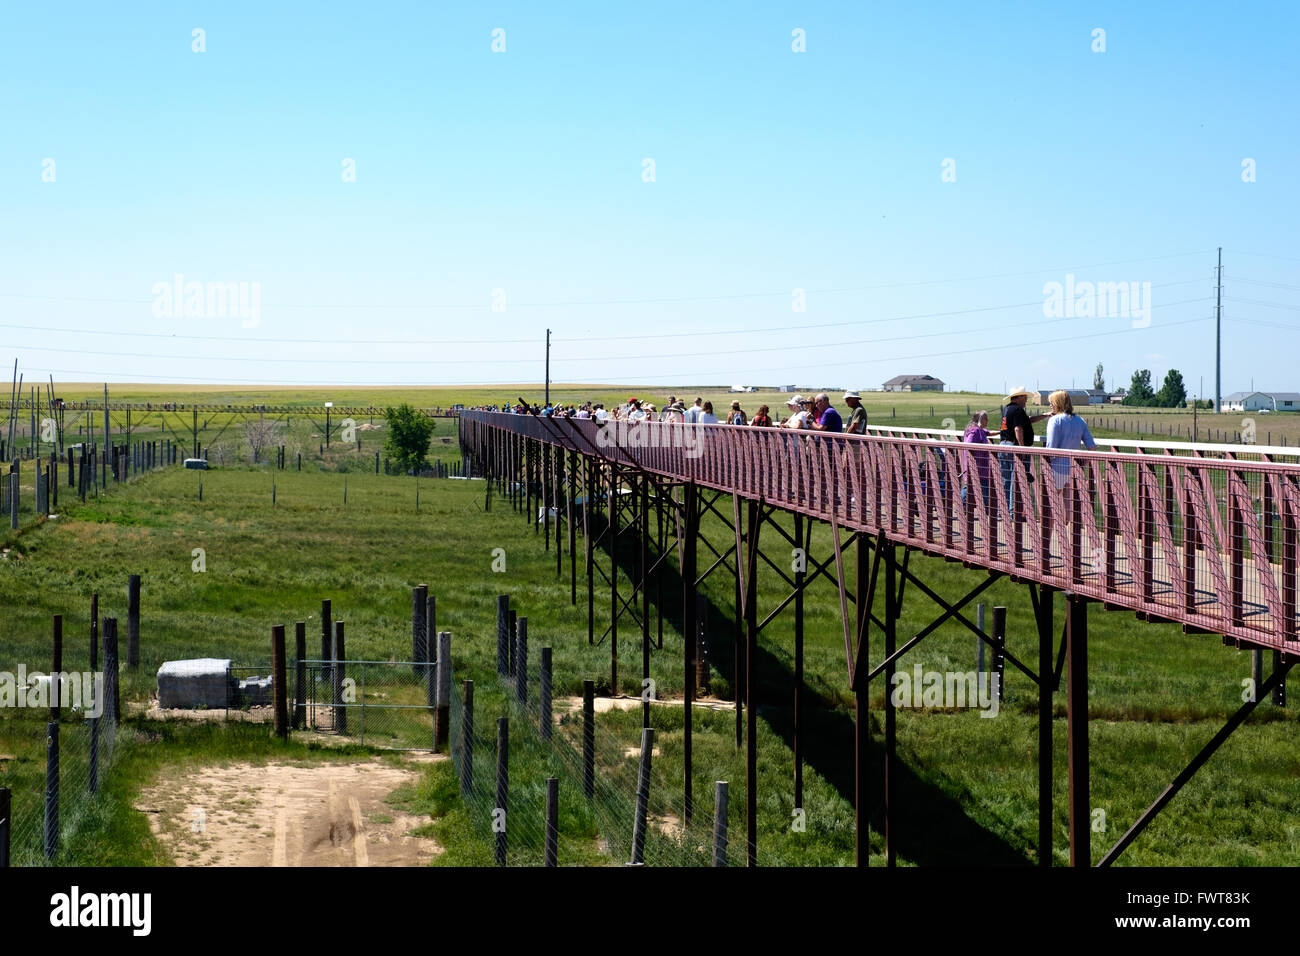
{"type": "Point", "coordinates": [1139, 443]}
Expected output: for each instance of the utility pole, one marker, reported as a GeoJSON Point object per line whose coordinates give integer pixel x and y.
{"type": "Point", "coordinates": [548, 366]}
{"type": "Point", "coordinates": [1218, 330]}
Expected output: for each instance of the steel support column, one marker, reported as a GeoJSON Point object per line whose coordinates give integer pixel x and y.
{"type": "Point", "coordinates": [891, 618]}
{"type": "Point", "coordinates": [1043, 618]}
{"type": "Point", "coordinates": [1076, 710]}
{"type": "Point", "coordinates": [801, 563]}
{"type": "Point", "coordinates": [687, 558]}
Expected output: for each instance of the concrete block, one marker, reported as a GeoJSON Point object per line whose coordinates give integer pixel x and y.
{"type": "Point", "coordinates": [204, 682]}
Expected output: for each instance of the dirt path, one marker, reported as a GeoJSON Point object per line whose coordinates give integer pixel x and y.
{"type": "Point", "coordinates": [284, 815]}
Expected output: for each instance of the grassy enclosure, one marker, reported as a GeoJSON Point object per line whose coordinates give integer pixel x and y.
{"type": "Point", "coordinates": [967, 792]}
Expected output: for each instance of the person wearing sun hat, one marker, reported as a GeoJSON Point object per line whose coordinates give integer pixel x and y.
{"type": "Point", "coordinates": [858, 419]}
{"type": "Point", "coordinates": [1017, 428]}
{"type": "Point", "coordinates": [798, 413]}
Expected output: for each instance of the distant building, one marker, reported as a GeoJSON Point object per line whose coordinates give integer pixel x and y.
{"type": "Point", "coordinates": [913, 383]}
{"type": "Point", "coordinates": [1078, 396]}
{"type": "Point", "coordinates": [1262, 401]}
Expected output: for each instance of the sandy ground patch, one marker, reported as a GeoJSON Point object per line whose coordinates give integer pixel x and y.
{"type": "Point", "coordinates": [603, 705]}
{"type": "Point", "coordinates": [285, 815]}
{"type": "Point", "coordinates": [151, 710]}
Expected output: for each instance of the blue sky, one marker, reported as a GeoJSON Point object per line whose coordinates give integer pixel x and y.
{"type": "Point", "coordinates": [523, 171]}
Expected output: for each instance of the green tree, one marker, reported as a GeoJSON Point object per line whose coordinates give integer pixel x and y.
{"type": "Point", "coordinates": [408, 437]}
{"type": "Point", "coordinates": [1099, 379]}
{"type": "Point", "coordinates": [1139, 390]}
{"type": "Point", "coordinates": [1172, 393]}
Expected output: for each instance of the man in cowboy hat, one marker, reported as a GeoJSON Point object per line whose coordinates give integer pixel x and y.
{"type": "Point", "coordinates": [858, 420]}
{"type": "Point", "coordinates": [1017, 429]}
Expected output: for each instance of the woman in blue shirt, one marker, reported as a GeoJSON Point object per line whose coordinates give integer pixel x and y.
{"type": "Point", "coordinates": [1065, 430]}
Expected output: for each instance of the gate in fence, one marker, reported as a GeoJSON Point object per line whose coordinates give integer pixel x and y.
{"type": "Point", "coordinates": [387, 704]}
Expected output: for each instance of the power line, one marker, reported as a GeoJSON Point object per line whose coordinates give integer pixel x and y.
{"type": "Point", "coordinates": [97, 374]}
{"type": "Point", "coordinates": [661, 300]}
{"type": "Point", "coordinates": [534, 341]}
{"type": "Point", "coordinates": [570, 360]}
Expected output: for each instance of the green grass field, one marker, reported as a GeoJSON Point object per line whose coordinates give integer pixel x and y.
{"type": "Point", "coordinates": [967, 788]}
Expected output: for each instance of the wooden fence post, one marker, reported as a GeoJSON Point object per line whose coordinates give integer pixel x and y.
{"type": "Point", "coordinates": [588, 738]}
{"type": "Point", "coordinates": [280, 693]}
{"type": "Point", "coordinates": [300, 674]}
{"type": "Point", "coordinates": [326, 640]}
{"type": "Point", "coordinates": [442, 716]}
{"type": "Point", "coordinates": [133, 622]}
{"type": "Point", "coordinates": [339, 673]}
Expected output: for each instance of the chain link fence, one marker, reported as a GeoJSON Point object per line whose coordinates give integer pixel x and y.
{"type": "Point", "coordinates": [387, 704]}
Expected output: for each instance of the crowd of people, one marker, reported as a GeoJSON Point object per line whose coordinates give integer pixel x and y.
{"type": "Point", "coordinates": [812, 414]}
{"type": "Point", "coordinates": [1065, 429]}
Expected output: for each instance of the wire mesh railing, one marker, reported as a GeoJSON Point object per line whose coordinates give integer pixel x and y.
{"type": "Point", "coordinates": [1207, 540]}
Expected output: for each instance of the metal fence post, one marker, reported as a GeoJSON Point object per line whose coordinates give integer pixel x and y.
{"type": "Point", "coordinates": [720, 823]}
{"type": "Point", "coordinates": [467, 739]}
{"type": "Point", "coordinates": [6, 826]}
{"type": "Point", "coordinates": [588, 738]}
{"type": "Point", "coordinates": [503, 788]}
{"type": "Point", "coordinates": [503, 634]}
{"type": "Point", "coordinates": [133, 622]}
{"type": "Point", "coordinates": [999, 649]}
{"type": "Point", "coordinates": [112, 705]}
{"type": "Point", "coordinates": [51, 789]}
{"type": "Point", "coordinates": [419, 632]}
{"type": "Point", "coordinates": [93, 769]}
{"type": "Point", "coordinates": [521, 661]}
{"type": "Point", "coordinates": [552, 821]}
{"type": "Point", "coordinates": [545, 695]}
{"type": "Point", "coordinates": [279, 674]}
{"type": "Point", "coordinates": [338, 673]}
{"type": "Point", "coordinates": [642, 795]}
{"type": "Point", "coordinates": [510, 644]}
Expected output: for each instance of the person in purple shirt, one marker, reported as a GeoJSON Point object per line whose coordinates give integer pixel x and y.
{"type": "Point", "coordinates": [824, 418]}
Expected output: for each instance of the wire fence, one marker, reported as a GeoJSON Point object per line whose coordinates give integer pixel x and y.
{"type": "Point", "coordinates": [610, 812]}
{"type": "Point", "coordinates": [385, 704]}
{"type": "Point", "coordinates": [53, 800]}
